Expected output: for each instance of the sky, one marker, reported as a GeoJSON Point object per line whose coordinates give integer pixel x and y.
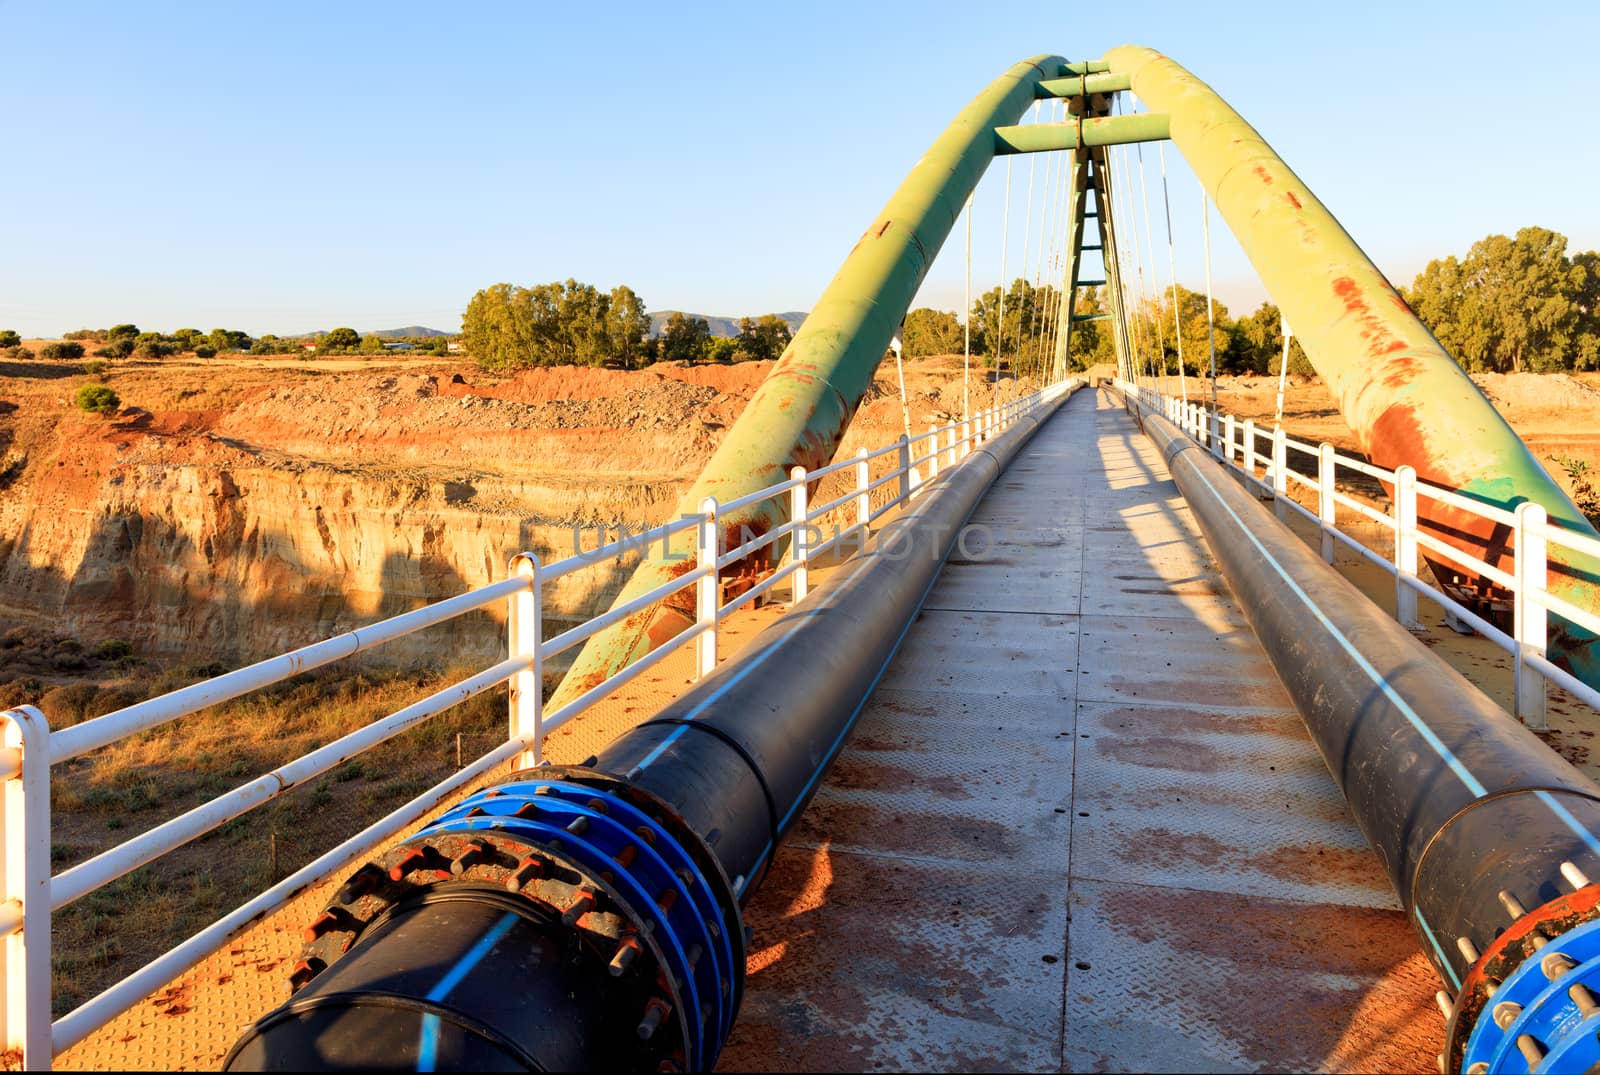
{"type": "Point", "coordinates": [289, 167]}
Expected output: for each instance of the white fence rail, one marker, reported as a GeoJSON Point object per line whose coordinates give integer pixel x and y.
{"type": "Point", "coordinates": [1238, 445]}
{"type": "Point", "coordinates": [29, 893]}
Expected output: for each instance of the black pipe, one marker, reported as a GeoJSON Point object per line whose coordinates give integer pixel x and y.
{"type": "Point", "coordinates": [588, 917]}
{"type": "Point", "coordinates": [1471, 814]}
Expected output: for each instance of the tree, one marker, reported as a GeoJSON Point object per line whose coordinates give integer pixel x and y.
{"type": "Point", "coordinates": [1091, 342]}
{"type": "Point", "coordinates": [187, 339]}
{"type": "Point", "coordinates": [97, 399]}
{"type": "Point", "coordinates": [1255, 345]}
{"type": "Point", "coordinates": [932, 332]}
{"type": "Point", "coordinates": [761, 339]}
{"type": "Point", "coordinates": [626, 327]}
{"type": "Point", "coordinates": [720, 349]}
{"type": "Point", "coordinates": [10, 338]}
{"type": "Point", "coordinates": [1512, 304]}
{"type": "Point", "coordinates": [683, 339]}
{"type": "Point", "coordinates": [118, 332]}
{"type": "Point", "coordinates": [373, 345]}
{"type": "Point", "coordinates": [227, 340]}
{"type": "Point", "coordinates": [67, 351]}
{"type": "Point", "coordinates": [1028, 312]}
{"type": "Point", "coordinates": [340, 339]}
{"type": "Point", "coordinates": [507, 327]}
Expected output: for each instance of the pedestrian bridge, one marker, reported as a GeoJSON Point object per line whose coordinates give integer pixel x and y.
{"type": "Point", "coordinates": [1096, 729]}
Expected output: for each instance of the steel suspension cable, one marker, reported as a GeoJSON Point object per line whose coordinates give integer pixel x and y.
{"type": "Point", "coordinates": [1047, 322]}
{"type": "Point", "coordinates": [1000, 330]}
{"type": "Point", "coordinates": [1172, 265]}
{"type": "Point", "coordinates": [1149, 242]}
{"type": "Point", "coordinates": [966, 327]}
{"type": "Point", "coordinates": [1027, 235]}
{"type": "Point", "coordinates": [1211, 305]}
{"type": "Point", "coordinates": [1141, 329]}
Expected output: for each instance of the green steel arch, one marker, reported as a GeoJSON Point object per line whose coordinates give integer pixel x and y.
{"type": "Point", "coordinates": [1405, 398]}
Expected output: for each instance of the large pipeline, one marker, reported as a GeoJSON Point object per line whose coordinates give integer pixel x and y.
{"type": "Point", "coordinates": [589, 917]}
{"type": "Point", "coordinates": [1475, 820]}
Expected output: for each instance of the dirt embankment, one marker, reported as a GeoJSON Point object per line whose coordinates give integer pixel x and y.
{"type": "Point", "coordinates": [238, 508]}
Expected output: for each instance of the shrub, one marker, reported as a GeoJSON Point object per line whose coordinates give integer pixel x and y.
{"type": "Point", "coordinates": [119, 348]}
{"type": "Point", "coordinates": [112, 649]}
{"type": "Point", "coordinates": [95, 367]}
{"type": "Point", "coordinates": [152, 349]}
{"type": "Point", "coordinates": [66, 351]}
{"type": "Point", "coordinates": [204, 351]}
{"type": "Point", "coordinates": [18, 352]}
{"type": "Point", "coordinates": [68, 704]}
{"type": "Point", "coordinates": [97, 399]}
{"type": "Point", "coordinates": [9, 338]}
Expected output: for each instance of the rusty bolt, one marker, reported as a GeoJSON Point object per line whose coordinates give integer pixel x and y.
{"type": "Point", "coordinates": [580, 906]}
{"type": "Point", "coordinates": [628, 950]}
{"type": "Point", "coordinates": [655, 1013]}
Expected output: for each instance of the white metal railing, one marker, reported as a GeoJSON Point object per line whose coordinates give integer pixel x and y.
{"type": "Point", "coordinates": [1237, 444]}
{"type": "Point", "coordinates": [29, 893]}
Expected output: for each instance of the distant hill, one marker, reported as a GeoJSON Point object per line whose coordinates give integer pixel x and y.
{"type": "Point", "coordinates": [409, 330]}
{"type": "Point", "coordinates": [727, 327]}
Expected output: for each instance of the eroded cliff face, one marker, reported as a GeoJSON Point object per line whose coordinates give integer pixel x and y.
{"type": "Point", "coordinates": [209, 524]}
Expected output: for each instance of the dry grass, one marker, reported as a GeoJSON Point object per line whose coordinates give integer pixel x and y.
{"type": "Point", "coordinates": [105, 798]}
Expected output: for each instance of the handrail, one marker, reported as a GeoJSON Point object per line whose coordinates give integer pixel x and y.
{"type": "Point", "coordinates": [27, 1003]}
{"type": "Point", "coordinates": [1532, 535]}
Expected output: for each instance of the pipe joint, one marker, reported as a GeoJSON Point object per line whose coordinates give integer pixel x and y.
{"type": "Point", "coordinates": [608, 891]}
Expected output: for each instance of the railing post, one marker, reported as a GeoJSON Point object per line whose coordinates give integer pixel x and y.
{"type": "Point", "coordinates": [799, 529]}
{"type": "Point", "coordinates": [25, 886]}
{"type": "Point", "coordinates": [863, 495]}
{"type": "Point", "coordinates": [1405, 547]}
{"type": "Point", "coordinates": [933, 453]}
{"type": "Point", "coordinates": [950, 444]}
{"type": "Point", "coordinates": [1325, 504]}
{"type": "Point", "coordinates": [1280, 473]}
{"type": "Point", "coordinates": [524, 629]}
{"type": "Point", "coordinates": [1227, 439]}
{"type": "Point", "coordinates": [707, 597]}
{"type": "Point", "coordinates": [1529, 619]}
{"type": "Point", "coordinates": [1213, 421]}
{"type": "Point", "coordinates": [965, 445]}
{"type": "Point", "coordinates": [904, 456]}
{"type": "Point", "coordinates": [1249, 446]}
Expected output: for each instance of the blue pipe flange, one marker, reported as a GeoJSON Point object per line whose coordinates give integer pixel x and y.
{"type": "Point", "coordinates": [1545, 1017]}
{"type": "Point", "coordinates": [674, 909]}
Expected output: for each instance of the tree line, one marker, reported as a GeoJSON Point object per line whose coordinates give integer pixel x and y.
{"type": "Point", "coordinates": [506, 326]}
{"type": "Point", "coordinates": [1511, 305]}
{"type": "Point", "coordinates": [128, 341]}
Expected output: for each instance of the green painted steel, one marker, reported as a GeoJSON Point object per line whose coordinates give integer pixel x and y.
{"type": "Point", "coordinates": [799, 414]}
{"type": "Point", "coordinates": [1405, 398]}
{"type": "Point", "coordinates": [1090, 131]}
{"type": "Point", "coordinates": [1083, 85]}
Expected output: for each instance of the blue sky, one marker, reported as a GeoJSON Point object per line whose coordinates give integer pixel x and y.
{"type": "Point", "coordinates": [287, 167]}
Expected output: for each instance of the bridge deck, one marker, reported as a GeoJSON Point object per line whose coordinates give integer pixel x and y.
{"type": "Point", "coordinates": [1079, 825]}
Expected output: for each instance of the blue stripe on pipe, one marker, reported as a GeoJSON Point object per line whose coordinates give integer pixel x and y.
{"type": "Point", "coordinates": [428, 1044]}
{"type": "Point", "coordinates": [1444, 962]}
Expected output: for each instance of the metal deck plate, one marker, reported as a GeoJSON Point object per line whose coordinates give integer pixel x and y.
{"type": "Point", "coordinates": [1225, 914]}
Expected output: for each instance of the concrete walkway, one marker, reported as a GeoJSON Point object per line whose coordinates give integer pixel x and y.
{"type": "Point", "coordinates": [1079, 826]}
